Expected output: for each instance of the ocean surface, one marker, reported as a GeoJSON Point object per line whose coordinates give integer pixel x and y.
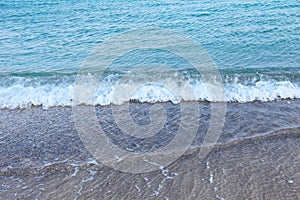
{"type": "Point", "coordinates": [254, 45]}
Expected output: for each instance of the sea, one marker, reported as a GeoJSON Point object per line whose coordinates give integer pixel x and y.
{"type": "Point", "coordinates": [254, 45]}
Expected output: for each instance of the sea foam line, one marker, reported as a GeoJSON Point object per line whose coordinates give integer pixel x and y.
{"type": "Point", "coordinates": [49, 95]}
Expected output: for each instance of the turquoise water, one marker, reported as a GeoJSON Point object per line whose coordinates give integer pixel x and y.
{"type": "Point", "coordinates": [43, 44]}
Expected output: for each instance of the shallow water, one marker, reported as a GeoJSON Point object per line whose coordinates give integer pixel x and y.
{"type": "Point", "coordinates": [256, 155]}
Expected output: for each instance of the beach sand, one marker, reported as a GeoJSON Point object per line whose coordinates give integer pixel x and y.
{"type": "Point", "coordinates": [256, 157]}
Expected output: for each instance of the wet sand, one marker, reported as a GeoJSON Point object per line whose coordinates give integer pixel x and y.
{"type": "Point", "coordinates": [257, 157]}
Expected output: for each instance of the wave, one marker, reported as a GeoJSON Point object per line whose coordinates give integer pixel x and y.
{"type": "Point", "coordinates": [58, 90]}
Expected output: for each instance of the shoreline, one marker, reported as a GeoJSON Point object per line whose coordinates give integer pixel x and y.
{"type": "Point", "coordinates": [244, 170]}
{"type": "Point", "coordinates": [136, 101]}
{"type": "Point", "coordinates": [42, 156]}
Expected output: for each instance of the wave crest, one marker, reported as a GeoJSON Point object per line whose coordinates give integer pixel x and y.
{"type": "Point", "coordinates": [23, 92]}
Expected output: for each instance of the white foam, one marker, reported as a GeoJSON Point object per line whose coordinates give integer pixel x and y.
{"type": "Point", "coordinates": [19, 96]}
{"type": "Point", "coordinates": [49, 95]}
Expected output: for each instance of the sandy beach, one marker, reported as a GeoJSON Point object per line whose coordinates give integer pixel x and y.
{"type": "Point", "coordinates": [256, 157]}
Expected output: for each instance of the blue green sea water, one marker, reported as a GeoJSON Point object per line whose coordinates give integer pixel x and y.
{"type": "Point", "coordinates": [255, 45]}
